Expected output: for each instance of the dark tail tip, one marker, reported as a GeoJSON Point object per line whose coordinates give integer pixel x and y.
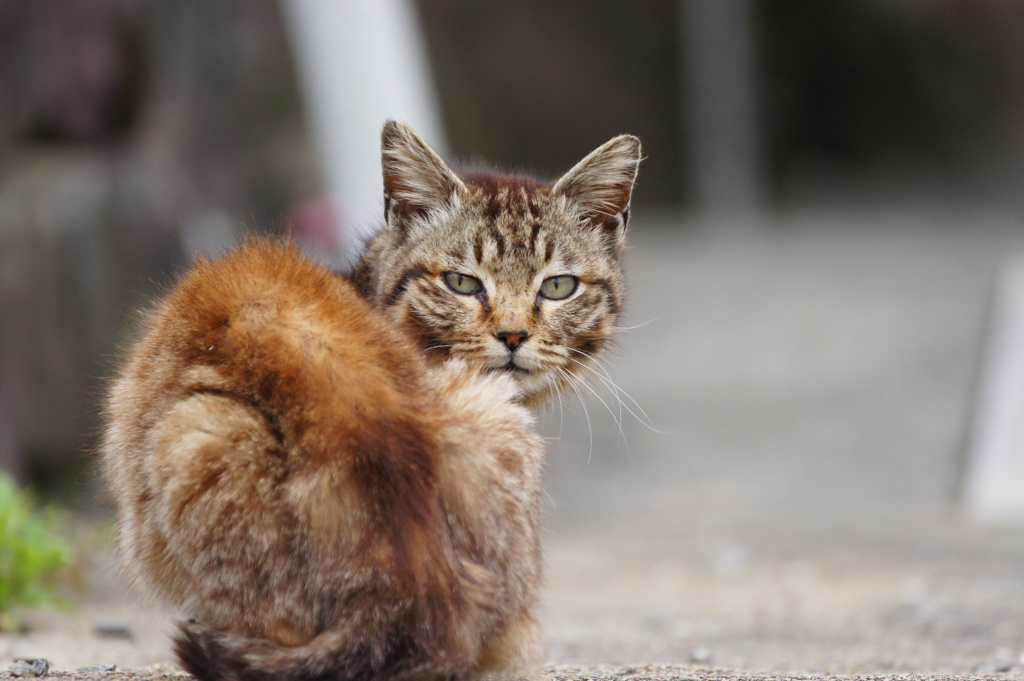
{"type": "Point", "coordinates": [203, 654]}
{"type": "Point", "coordinates": [212, 654]}
{"type": "Point", "coordinates": [193, 648]}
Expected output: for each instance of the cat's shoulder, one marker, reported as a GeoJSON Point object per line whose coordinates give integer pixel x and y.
{"type": "Point", "coordinates": [259, 270]}
{"type": "Point", "coordinates": [265, 304]}
{"type": "Point", "coordinates": [265, 281]}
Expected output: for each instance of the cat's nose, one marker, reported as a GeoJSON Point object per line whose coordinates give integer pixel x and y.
{"type": "Point", "coordinates": [512, 339]}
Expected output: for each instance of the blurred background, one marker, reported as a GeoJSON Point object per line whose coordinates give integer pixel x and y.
{"type": "Point", "coordinates": [830, 196]}
{"type": "Point", "coordinates": [133, 133]}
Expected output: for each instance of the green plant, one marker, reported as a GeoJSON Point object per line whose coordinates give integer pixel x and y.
{"type": "Point", "coordinates": [31, 555]}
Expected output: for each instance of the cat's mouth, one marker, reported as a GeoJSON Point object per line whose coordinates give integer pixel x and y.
{"type": "Point", "coordinates": [511, 367]}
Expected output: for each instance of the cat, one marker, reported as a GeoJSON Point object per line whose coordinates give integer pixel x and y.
{"type": "Point", "coordinates": [338, 477]}
{"type": "Point", "coordinates": [536, 268]}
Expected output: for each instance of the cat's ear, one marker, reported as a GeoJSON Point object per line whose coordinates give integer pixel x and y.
{"type": "Point", "coordinates": [601, 184]}
{"type": "Point", "coordinates": [416, 180]}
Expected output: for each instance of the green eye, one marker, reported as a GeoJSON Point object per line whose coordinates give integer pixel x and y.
{"type": "Point", "coordinates": [558, 288]}
{"type": "Point", "coordinates": [463, 283]}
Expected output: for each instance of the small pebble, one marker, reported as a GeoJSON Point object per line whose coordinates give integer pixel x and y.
{"type": "Point", "coordinates": [113, 630]}
{"type": "Point", "coordinates": [700, 656]}
{"type": "Point", "coordinates": [21, 668]}
{"type": "Point", "coordinates": [29, 668]}
{"type": "Point", "coordinates": [992, 668]}
{"type": "Point", "coordinates": [97, 668]}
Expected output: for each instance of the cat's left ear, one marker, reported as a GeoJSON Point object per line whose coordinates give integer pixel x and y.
{"type": "Point", "coordinates": [601, 184]}
{"type": "Point", "coordinates": [416, 180]}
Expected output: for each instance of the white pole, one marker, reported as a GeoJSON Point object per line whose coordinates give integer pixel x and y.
{"type": "Point", "coordinates": [994, 489]}
{"type": "Point", "coordinates": [360, 62]}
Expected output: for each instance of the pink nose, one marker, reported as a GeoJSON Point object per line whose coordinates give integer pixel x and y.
{"type": "Point", "coordinates": [512, 339]}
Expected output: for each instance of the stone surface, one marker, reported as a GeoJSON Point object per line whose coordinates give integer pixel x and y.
{"type": "Point", "coordinates": [30, 667]}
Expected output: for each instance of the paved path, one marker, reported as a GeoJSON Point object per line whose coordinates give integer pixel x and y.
{"type": "Point", "coordinates": [798, 512]}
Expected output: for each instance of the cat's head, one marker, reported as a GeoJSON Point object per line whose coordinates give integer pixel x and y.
{"type": "Point", "coordinates": [507, 273]}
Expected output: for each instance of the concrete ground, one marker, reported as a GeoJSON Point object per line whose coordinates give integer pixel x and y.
{"type": "Point", "coordinates": [788, 506]}
{"type": "Point", "coordinates": [812, 384]}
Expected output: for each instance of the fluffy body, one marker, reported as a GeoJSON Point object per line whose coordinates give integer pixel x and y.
{"type": "Point", "coordinates": [292, 475]}
{"type": "Point", "coordinates": [339, 479]}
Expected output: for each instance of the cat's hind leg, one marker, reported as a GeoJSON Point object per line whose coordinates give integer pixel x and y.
{"type": "Point", "coordinates": [217, 524]}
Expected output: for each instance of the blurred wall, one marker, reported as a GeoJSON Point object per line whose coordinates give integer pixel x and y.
{"type": "Point", "coordinates": [536, 85]}
{"type": "Point", "coordinates": [853, 96]}
{"type": "Point", "coordinates": [130, 133]}
{"type": "Point", "coordinates": [916, 96]}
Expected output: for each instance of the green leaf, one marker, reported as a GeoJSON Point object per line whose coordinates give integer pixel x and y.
{"type": "Point", "coordinates": [32, 556]}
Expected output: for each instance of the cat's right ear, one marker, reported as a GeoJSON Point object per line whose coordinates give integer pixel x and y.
{"type": "Point", "coordinates": [416, 180]}
{"type": "Point", "coordinates": [601, 184]}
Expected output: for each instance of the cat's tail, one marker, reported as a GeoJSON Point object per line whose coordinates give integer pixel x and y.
{"type": "Point", "coordinates": [212, 654]}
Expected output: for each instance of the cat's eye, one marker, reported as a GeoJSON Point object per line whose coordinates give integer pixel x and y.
{"type": "Point", "coordinates": [558, 288]}
{"type": "Point", "coordinates": [463, 283]}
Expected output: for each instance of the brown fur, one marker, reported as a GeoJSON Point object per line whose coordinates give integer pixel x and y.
{"type": "Point", "coordinates": [511, 233]}
{"type": "Point", "coordinates": [291, 471]}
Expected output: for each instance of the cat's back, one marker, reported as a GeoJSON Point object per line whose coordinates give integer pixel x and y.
{"type": "Point", "coordinates": [271, 327]}
{"type": "Point", "coordinates": [268, 408]}
{"type": "Point", "coordinates": [265, 302]}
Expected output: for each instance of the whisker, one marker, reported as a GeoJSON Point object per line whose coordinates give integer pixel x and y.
{"type": "Point", "coordinates": [617, 419]}
{"type": "Point", "coordinates": [550, 406]}
{"type": "Point", "coordinates": [554, 504]}
{"type": "Point", "coordinates": [584, 383]}
{"type": "Point", "coordinates": [607, 380]}
{"type": "Point", "coordinates": [561, 406]}
{"type": "Point", "coordinates": [617, 392]}
{"type": "Point", "coordinates": [583, 404]}
{"type": "Point", "coordinates": [608, 376]}
{"type": "Point", "coordinates": [638, 326]}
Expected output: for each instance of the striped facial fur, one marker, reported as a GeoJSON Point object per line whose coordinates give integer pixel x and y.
{"type": "Point", "coordinates": [504, 272]}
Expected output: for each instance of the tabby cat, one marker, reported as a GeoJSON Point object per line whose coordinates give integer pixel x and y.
{"type": "Point", "coordinates": [338, 477]}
